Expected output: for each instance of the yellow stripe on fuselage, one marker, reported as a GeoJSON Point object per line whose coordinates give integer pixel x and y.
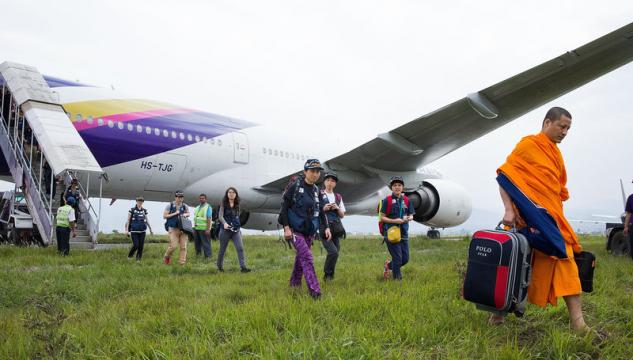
{"type": "Point", "coordinates": [102, 108]}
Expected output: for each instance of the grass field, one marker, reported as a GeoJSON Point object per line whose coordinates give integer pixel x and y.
{"type": "Point", "coordinates": [98, 305]}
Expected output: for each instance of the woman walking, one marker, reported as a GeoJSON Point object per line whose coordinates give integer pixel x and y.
{"type": "Point", "coordinates": [396, 211]}
{"type": "Point", "coordinates": [177, 237]}
{"type": "Point", "coordinates": [334, 210]}
{"type": "Point", "coordinates": [229, 217]}
{"type": "Point", "coordinates": [136, 226]}
{"type": "Point", "coordinates": [300, 214]}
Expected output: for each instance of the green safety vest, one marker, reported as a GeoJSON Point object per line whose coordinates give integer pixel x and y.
{"type": "Point", "coordinates": [62, 216]}
{"type": "Point", "coordinates": [200, 222]}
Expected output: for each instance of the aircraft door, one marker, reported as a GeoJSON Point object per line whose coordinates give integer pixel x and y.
{"type": "Point", "coordinates": [166, 172]}
{"type": "Point", "coordinates": [240, 147]}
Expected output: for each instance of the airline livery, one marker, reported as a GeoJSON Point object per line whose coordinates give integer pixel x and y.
{"type": "Point", "coordinates": [153, 148]}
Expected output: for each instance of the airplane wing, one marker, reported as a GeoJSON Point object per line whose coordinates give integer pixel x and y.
{"type": "Point", "coordinates": [434, 135]}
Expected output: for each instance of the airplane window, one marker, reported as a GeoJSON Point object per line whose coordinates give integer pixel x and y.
{"type": "Point", "coordinates": [130, 127]}
{"type": "Point", "coordinates": [219, 142]}
{"type": "Point", "coordinates": [78, 117]}
{"type": "Point", "coordinates": [287, 155]}
{"type": "Point", "coordinates": [204, 138]}
{"type": "Point", "coordinates": [276, 153]}
{"type": "Point", "coordinates": [264, 149]}
{"type": "Point", "coordinates": [120, 125]}
{"type": "Point", "coordinates": [148, 130]}
{"type": "Point", "coordinates": [165, 133]}
{"type": "Point", "coordinates": [182, 136]}
{"type": "Point", "coordinates": [90, 119]}
{"type": "Point", "coordinates": [110, 124]}
{"type": "Point", "coordinates": [139, 129]}
{"type": "Point", "coordinates": [297, 156]}
{"type": "Point", "coordinates": [157, 131]}
{"type": "Point", "coordinates": [100, 122]}
{"type": "Point", "coordinates": [189, 137]}
{"type": "Point", "coordinates": [270, 151]}
{"type": "Point", "coordinates": [173, 134]}
{"type": "Point", "coordinates": [197, 138]}
{"type": "Point", "coordinates": [212, 141]}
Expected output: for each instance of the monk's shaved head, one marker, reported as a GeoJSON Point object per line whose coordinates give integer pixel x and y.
{"type": "Point", "coordinates": [556, 124]}
{"type": "Point", "coordinates": [555, 113]}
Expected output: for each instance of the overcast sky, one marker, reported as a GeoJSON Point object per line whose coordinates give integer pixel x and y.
{"type": "Point", "coordinates": [361, 67]}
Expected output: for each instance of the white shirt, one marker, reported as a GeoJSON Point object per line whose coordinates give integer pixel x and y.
{"type": "Point", "coordinates": [332, 198]}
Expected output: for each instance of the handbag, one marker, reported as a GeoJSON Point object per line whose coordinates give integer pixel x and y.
{"type": "Point", "coordinates": [586, 263]}
{"type": "Point", "coordinates": [337, 229]}
{"type": "Point", "coordinates": [184, 224]}
{"type": "Point", "coordinates": [394, 235]}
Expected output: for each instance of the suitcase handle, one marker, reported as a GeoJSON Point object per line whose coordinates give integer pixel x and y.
{"type": "Point", "coordinates": [500, 226]}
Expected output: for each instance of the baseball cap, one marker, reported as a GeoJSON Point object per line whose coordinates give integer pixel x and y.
{"type": "Point", "coordinates": [331, 175]}
{"type": "Point", "coordinates": [395, 179]}
{"type": "Point", "coordinates": [312, 164]}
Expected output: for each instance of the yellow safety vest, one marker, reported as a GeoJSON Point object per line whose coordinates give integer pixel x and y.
{"type": "Point", "coordinates": [62, 216]}
{"type": "Point", "coordinates": [201, 217]}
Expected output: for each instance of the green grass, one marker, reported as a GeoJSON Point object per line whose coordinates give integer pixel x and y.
{"type": "Point", "coordinates": [98, 305]}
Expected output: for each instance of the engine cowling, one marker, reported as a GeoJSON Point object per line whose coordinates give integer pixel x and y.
{"type": "Point", "coordinates": [258, 221]}
{"type": "Point", "coordinates": [440, 203]}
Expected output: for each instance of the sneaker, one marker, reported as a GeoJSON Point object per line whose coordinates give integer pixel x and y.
{"type": "Point", "coordinates": [130, 258]}
{"type": "Point", "coordinates": [245, 270]}
{"type": "Point", "coordinates": [315, 295]}
{"type": "Point", "coordinates": [167, 260]}
{"type": "Point", "coordinates": [220, 269]}
{"type": "Point", "coordinates": [386, 274]}
{"type": "Point", "coordinates": [327, 278]}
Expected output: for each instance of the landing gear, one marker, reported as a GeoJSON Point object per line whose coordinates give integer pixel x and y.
{"type": "Point", "coordinates": [619, 244]}
{"type": "Point", "coordinates": [433, 234]}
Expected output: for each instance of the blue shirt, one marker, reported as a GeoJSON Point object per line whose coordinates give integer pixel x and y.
{"type": "Point", "coordinates": [397, 212]}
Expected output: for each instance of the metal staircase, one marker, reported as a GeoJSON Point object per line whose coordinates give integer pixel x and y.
{"type": "Point", "coordinates": [40, 146]}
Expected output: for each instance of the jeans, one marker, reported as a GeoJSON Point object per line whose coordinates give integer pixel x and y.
{"type": "Point", "coordinates": [304, 263]}
{"type": "Point", "coordinates": [138, 242]}
{"type": "Point", "coordinates": [177, 238]}
{"type": "Point", "coordinates": [236, 237]}
{"type": "Point", "coordinates": [63, 240]}
{"type": "Point", "coordinates": [202, 242]}
{"type": "Point", "coordinates": [332, 247]}
{"type": "Point", "coordinates": [399, 256]}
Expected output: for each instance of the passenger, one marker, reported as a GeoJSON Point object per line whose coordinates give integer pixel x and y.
{"type": "Point", "coordinates": [72, 191]}
{"type": "Point", "coordinates": [536, 170]}
{"type": "Point", "coordinates": [334, 210]}
{"type": "Point", "coordinates": [396, 210]}
{"type": "Point", "coordinates": [229, 217]}
{"type": "Point", "coordinates": [137, 224]}
{"type": "Point", "coordinates": [628, 222]}
{"type": "Point", "coordinates": [177, 237]}
{"type": "Point", "coordinates": [65, 221]}
{"type": "Point", "coordinates": [202, 227]}
{"type": "Point", "coordinates": [301, 211]}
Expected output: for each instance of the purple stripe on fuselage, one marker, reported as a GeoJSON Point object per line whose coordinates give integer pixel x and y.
{"type": "Point", "coordinates": [54, 82]}
{"type": "Point", "coordinates": [111, 146]}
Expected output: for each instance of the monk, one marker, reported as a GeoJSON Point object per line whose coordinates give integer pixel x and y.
{"type": "Point", "coordinates": [537, 169]}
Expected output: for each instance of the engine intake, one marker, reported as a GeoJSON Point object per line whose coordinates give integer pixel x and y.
{"type": "Point", "coordinates": [440, 203]}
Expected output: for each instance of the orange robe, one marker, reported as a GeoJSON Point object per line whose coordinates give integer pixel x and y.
{"type": "Point", "coordinates": [537, 168]}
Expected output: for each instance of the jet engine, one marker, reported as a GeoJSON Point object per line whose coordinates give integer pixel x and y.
{"type": "Point", "coordinates": [439, 203]}
{"type": "Point", "coordinates": [258, 221]}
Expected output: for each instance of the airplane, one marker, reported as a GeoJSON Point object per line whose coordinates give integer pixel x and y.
{"type": "Point", "coordinates": [152, 148]}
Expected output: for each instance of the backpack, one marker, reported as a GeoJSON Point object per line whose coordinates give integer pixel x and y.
{"type": "Point", "coordinates": [381, 225]}
{"type": "Point", "coordinates": [294, 184]}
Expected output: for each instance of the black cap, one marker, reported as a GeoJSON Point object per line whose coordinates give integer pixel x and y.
{"type": "Point", "coordinates": [312, 164]}
{"type": "Point", "coordinates": [331, 175]}
{"type": "Point", "coordinates": [395, 179]}
{"type": "Point", "coordinates": [179, 193]}
{"type": "Point", "coordinates": [140, 198]}
{"type": "Point", "coordinates": [74, 181]}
